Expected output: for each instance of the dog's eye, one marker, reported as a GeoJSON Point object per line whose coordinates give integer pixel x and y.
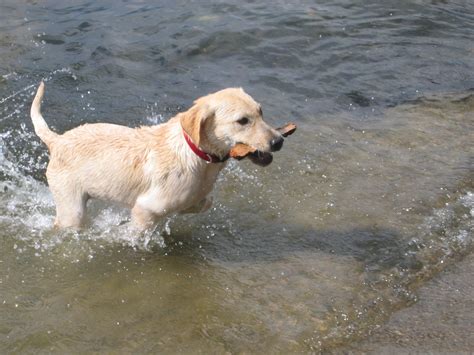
{"type": "Point", "coordinates": [243, 121]}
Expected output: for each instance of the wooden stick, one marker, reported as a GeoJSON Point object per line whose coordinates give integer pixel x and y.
{"type": "Point", "coordinates": [287, 129]}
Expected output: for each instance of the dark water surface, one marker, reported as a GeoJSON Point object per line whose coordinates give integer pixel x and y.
{"type": "Point", "coordinates": [371, 197]}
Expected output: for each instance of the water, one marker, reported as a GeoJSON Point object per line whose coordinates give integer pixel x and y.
{"type": "Point", "coordinates": [370, 198]}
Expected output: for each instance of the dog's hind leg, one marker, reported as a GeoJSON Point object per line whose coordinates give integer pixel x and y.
{"type": "Point", "coordinates": [70, 206]}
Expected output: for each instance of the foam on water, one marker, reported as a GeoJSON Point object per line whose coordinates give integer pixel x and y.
{"type": "Point", "coordinates": [450, 227]}
{"type": "Point", "coordinates": [27, 205]}
{"type": "Point", "coordinates": [468, 201]}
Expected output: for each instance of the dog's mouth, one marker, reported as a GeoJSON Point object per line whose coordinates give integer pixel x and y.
{"type": "Point", "coordinates": [261, 158]}
{"type": "Point", "coordinates": [241, 151]}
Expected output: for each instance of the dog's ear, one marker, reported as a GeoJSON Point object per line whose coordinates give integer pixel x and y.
{"type": "Point", "coordinates": [193, 120]}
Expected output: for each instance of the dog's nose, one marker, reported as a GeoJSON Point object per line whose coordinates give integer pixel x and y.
{"type": "Point", "coordinates": [276, 144]}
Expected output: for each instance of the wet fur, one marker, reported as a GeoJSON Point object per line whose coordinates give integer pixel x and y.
{"type": "Point", "coordinates": [150, 169]}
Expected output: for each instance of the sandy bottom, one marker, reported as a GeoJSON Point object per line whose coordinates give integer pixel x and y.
{"type": "Point", "coordinates": [441, 322]}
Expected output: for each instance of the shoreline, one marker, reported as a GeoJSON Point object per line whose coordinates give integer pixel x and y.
{"type": "Point", "coordinates": [440, 322]}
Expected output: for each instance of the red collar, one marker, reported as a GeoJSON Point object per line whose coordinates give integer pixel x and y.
{"type": "Point", "coordinates": [210, 158]}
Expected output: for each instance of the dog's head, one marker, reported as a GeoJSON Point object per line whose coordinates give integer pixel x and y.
{"type": "Point", "coordinates": [219, 121]}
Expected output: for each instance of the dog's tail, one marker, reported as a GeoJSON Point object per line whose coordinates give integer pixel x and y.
{"type": "Point", "coordinates": [41, 127]}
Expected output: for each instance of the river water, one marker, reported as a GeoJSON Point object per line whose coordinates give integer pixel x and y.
{"type": "Point", "coordinates": [367, 201]}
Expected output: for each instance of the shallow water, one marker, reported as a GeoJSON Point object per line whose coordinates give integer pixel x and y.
{"type": "Point", "coordinates": [367, 201]}
{"type": "Point", "coordinates": [439, 323]}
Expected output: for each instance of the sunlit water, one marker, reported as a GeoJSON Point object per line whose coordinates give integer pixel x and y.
{"type": "Point", "coordinates": [369, 199]}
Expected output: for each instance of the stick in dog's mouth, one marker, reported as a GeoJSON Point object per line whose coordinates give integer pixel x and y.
{"type": "Point", "coordinates": [261, 158]}
{"type": "Point", "coordinates": [241, 151]}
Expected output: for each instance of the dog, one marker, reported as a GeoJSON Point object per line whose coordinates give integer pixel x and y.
{"type": "Point", "coordinates": [154, 170]}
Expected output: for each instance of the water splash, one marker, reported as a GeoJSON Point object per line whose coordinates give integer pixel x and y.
{"type": "Point", "coordinates": [27, 208]}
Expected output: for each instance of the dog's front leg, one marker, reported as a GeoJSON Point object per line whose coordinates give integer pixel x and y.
{"type": "Point", "coordinates": [142, 218]}
{"type": "Point", "coordinates": [200, 207]}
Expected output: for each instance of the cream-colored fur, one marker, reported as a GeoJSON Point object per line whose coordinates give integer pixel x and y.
{"type": "Point", "coordinates": [150, 169]}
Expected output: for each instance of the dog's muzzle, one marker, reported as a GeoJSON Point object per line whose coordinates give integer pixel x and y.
{"type": "Point", "coordinates": [276, 144]}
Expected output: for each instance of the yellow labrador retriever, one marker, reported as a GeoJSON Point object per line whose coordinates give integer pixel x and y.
{"type": "Point", "coordinates": [156, 170]}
